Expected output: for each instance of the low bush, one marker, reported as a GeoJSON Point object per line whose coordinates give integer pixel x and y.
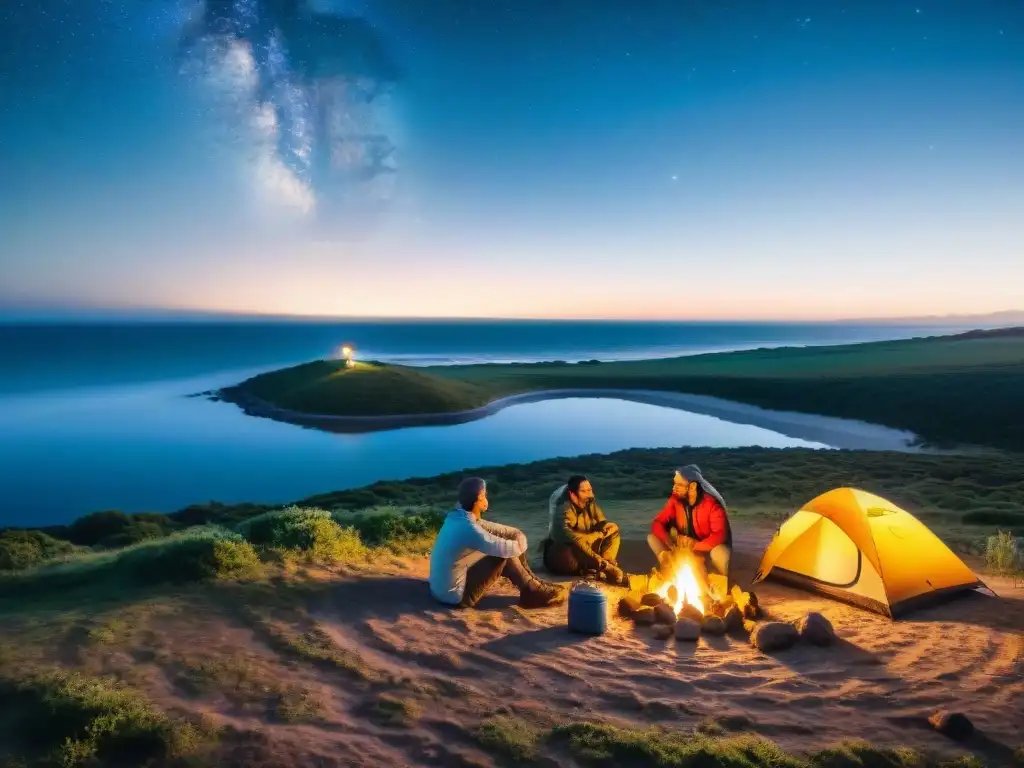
{"type": "Point", "coordinates": [69, 719]}
{"type": "Point", "coordinates": [26, 549]}
{"type": "Point", "coordinates": [310, 531]}
{"type": "Point", "coordinates": [391, 526]}
{"type": "Point", "coordinates": [196, 554]}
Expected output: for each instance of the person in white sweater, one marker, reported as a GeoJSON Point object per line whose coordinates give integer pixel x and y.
{"type": "Point", "coordinates": [470, 555]}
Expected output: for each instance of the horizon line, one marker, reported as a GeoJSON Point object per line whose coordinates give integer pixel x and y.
{"type": "Point", "coordinates": [157, 314]}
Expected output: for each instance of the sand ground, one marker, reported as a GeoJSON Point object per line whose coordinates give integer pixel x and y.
{"type": "Point", "coordinates": [410, 681]}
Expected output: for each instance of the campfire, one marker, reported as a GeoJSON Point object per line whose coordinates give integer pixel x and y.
{"type": "Point", "coordinates": [683, 587]}
{"type": "Point", "coordinates": [680, 597]}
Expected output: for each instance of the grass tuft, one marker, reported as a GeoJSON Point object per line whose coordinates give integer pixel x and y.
{"type": "Point", "coordinates": [510, 736]}
{"type": "Point", "coordinates": [1002, 554]}
{"type": "Point", "coordinates": [394, 711]}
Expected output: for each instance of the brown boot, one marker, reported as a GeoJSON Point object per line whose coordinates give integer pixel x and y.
{"type": "Point", "coordinates": [541, 596]}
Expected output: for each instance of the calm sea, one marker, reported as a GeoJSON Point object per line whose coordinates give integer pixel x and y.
{"type": "Point", "coordinates": [97, 417]}
{"type": "Point", "coordinates": [41, 357]}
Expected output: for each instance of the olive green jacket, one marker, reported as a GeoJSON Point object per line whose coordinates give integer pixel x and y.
{"type": "Point", "coordinates": [575, 523]}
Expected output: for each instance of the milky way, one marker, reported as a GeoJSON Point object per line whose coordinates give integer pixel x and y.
{"type": "Point", "coordinates": [304, 95]}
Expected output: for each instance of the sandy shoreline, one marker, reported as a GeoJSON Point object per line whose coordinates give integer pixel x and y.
{"type": "Point", "coordinates": [829, 430]}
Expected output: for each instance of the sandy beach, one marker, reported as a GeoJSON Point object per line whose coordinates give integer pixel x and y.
{"type": "Point", "coordinates": [835, 432]}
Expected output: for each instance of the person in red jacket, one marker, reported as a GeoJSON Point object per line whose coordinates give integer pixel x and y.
{"type": "Point", "coordinates": [694, 517]}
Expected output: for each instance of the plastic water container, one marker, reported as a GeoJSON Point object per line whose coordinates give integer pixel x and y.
{"type": "Point", "coordinates": [588, 609]}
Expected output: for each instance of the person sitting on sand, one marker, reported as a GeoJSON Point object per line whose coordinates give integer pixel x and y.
{"type": "Point", "coordinates": [694, 517]}
{"type": "Point", "coordinates": [470, 555]}
{"type": "Point", "coordinates": [581, 540]}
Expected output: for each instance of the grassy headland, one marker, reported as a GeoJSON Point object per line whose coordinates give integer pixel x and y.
{"type": "Point", "coordinates": [198, 637]}
{"type": "Point", "coordinates": [950, 390]}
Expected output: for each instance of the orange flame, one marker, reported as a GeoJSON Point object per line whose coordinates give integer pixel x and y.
{"type": "Point", "coordinates": [685, 585]}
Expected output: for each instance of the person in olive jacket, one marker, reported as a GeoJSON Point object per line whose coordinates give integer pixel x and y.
{"type": "Point", "coordinates": [581, 541]}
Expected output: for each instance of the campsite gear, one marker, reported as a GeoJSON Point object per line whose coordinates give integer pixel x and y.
{"type": "Point", "coordinates": [861, 549]}
{"type": "Point", "coordinates": [588, 609]}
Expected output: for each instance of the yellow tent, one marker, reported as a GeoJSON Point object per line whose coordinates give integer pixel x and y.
{"type": "Point", "coordinates": [861, 549]}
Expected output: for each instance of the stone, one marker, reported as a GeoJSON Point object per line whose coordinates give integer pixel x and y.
{"type": "Point", "coordinates": [687, 629]}
{"type": "Point", "coordinates": [652, 599]}
{"type": "Point", "coordinates": [815, 629]}
{"type": "Point", "coordinates": [689, 612]}
{"type": "Point", "coordinates": [774, 636]}
{"type": "Point", "coordinates": [713, 625]}
{"type": "Point", "coordinates": [733, 619]}
{"type": "Point", "coordinates": [628, 606]}
{"type": "Point", "coordinates": [644, 616]}
{"type": "Point", "coordinates": [663, 614]}
{"type": "Point", "coordinates": [955, 725]}
{"type": "Point", "coordinates": [664, 631]}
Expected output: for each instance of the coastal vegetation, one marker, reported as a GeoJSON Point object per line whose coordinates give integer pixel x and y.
{"type": "Point", "coordinates": [951, 391]}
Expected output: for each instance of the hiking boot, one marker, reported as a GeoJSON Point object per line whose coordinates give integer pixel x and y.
{"type": "Point", "coordinates": [543, 596]}
{"type": "Point", "coordinates": [616, 576]}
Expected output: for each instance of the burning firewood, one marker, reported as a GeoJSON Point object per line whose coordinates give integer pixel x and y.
{"type": "Point", "coordinates": [652, 599]}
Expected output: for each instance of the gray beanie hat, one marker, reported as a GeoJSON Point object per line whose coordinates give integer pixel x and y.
{"type": "Point", "coordinates": [469, 490]}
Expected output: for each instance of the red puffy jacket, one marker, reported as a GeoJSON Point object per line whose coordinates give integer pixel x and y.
{"type": "Point", "coordinates": [710, 523]}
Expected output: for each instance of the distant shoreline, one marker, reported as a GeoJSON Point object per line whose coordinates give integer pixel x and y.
{"type": "Point", "coordinates": [834, 432]}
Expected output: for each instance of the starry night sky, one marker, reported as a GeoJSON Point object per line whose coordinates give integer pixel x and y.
{"type": "Point", "coordinates": [558, 158]}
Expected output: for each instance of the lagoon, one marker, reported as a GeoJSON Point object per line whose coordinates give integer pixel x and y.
{"type": "Point", "coordinates": [153, 448]}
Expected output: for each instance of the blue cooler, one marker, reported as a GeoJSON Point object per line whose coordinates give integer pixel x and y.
{"type": "Point", "coordinates": [588, 609]}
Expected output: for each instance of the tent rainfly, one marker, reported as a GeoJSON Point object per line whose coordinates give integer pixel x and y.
{"type": "Point", "coordinates": [862, 549]}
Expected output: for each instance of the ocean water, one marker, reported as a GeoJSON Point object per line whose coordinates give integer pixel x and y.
{"type": "Point", "coordinates": [98, 417]}
{"type": "Point", "coordinates": [40, 357]}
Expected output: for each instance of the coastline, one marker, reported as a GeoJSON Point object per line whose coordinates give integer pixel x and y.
{"type": "Point", "coordinates": [832, 431]}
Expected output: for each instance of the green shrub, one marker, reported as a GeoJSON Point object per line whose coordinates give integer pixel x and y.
{"type": "Point", "coordinates": [72, 720]}
{"type": "Point", "coordinates": [196, 554]}
{"type": "Point", "coordinates": [133, 534]}
{"type": "Point", "coordinates": [1002, 554]}
{"type": "Point", "coordinates": [378, 529]}
{"type": "Point", "coordinates": [24, 549]}
{"type": "Point", "coordinates": [310, 531]}
{"type": "Point", "coordinates": [90, 530]}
